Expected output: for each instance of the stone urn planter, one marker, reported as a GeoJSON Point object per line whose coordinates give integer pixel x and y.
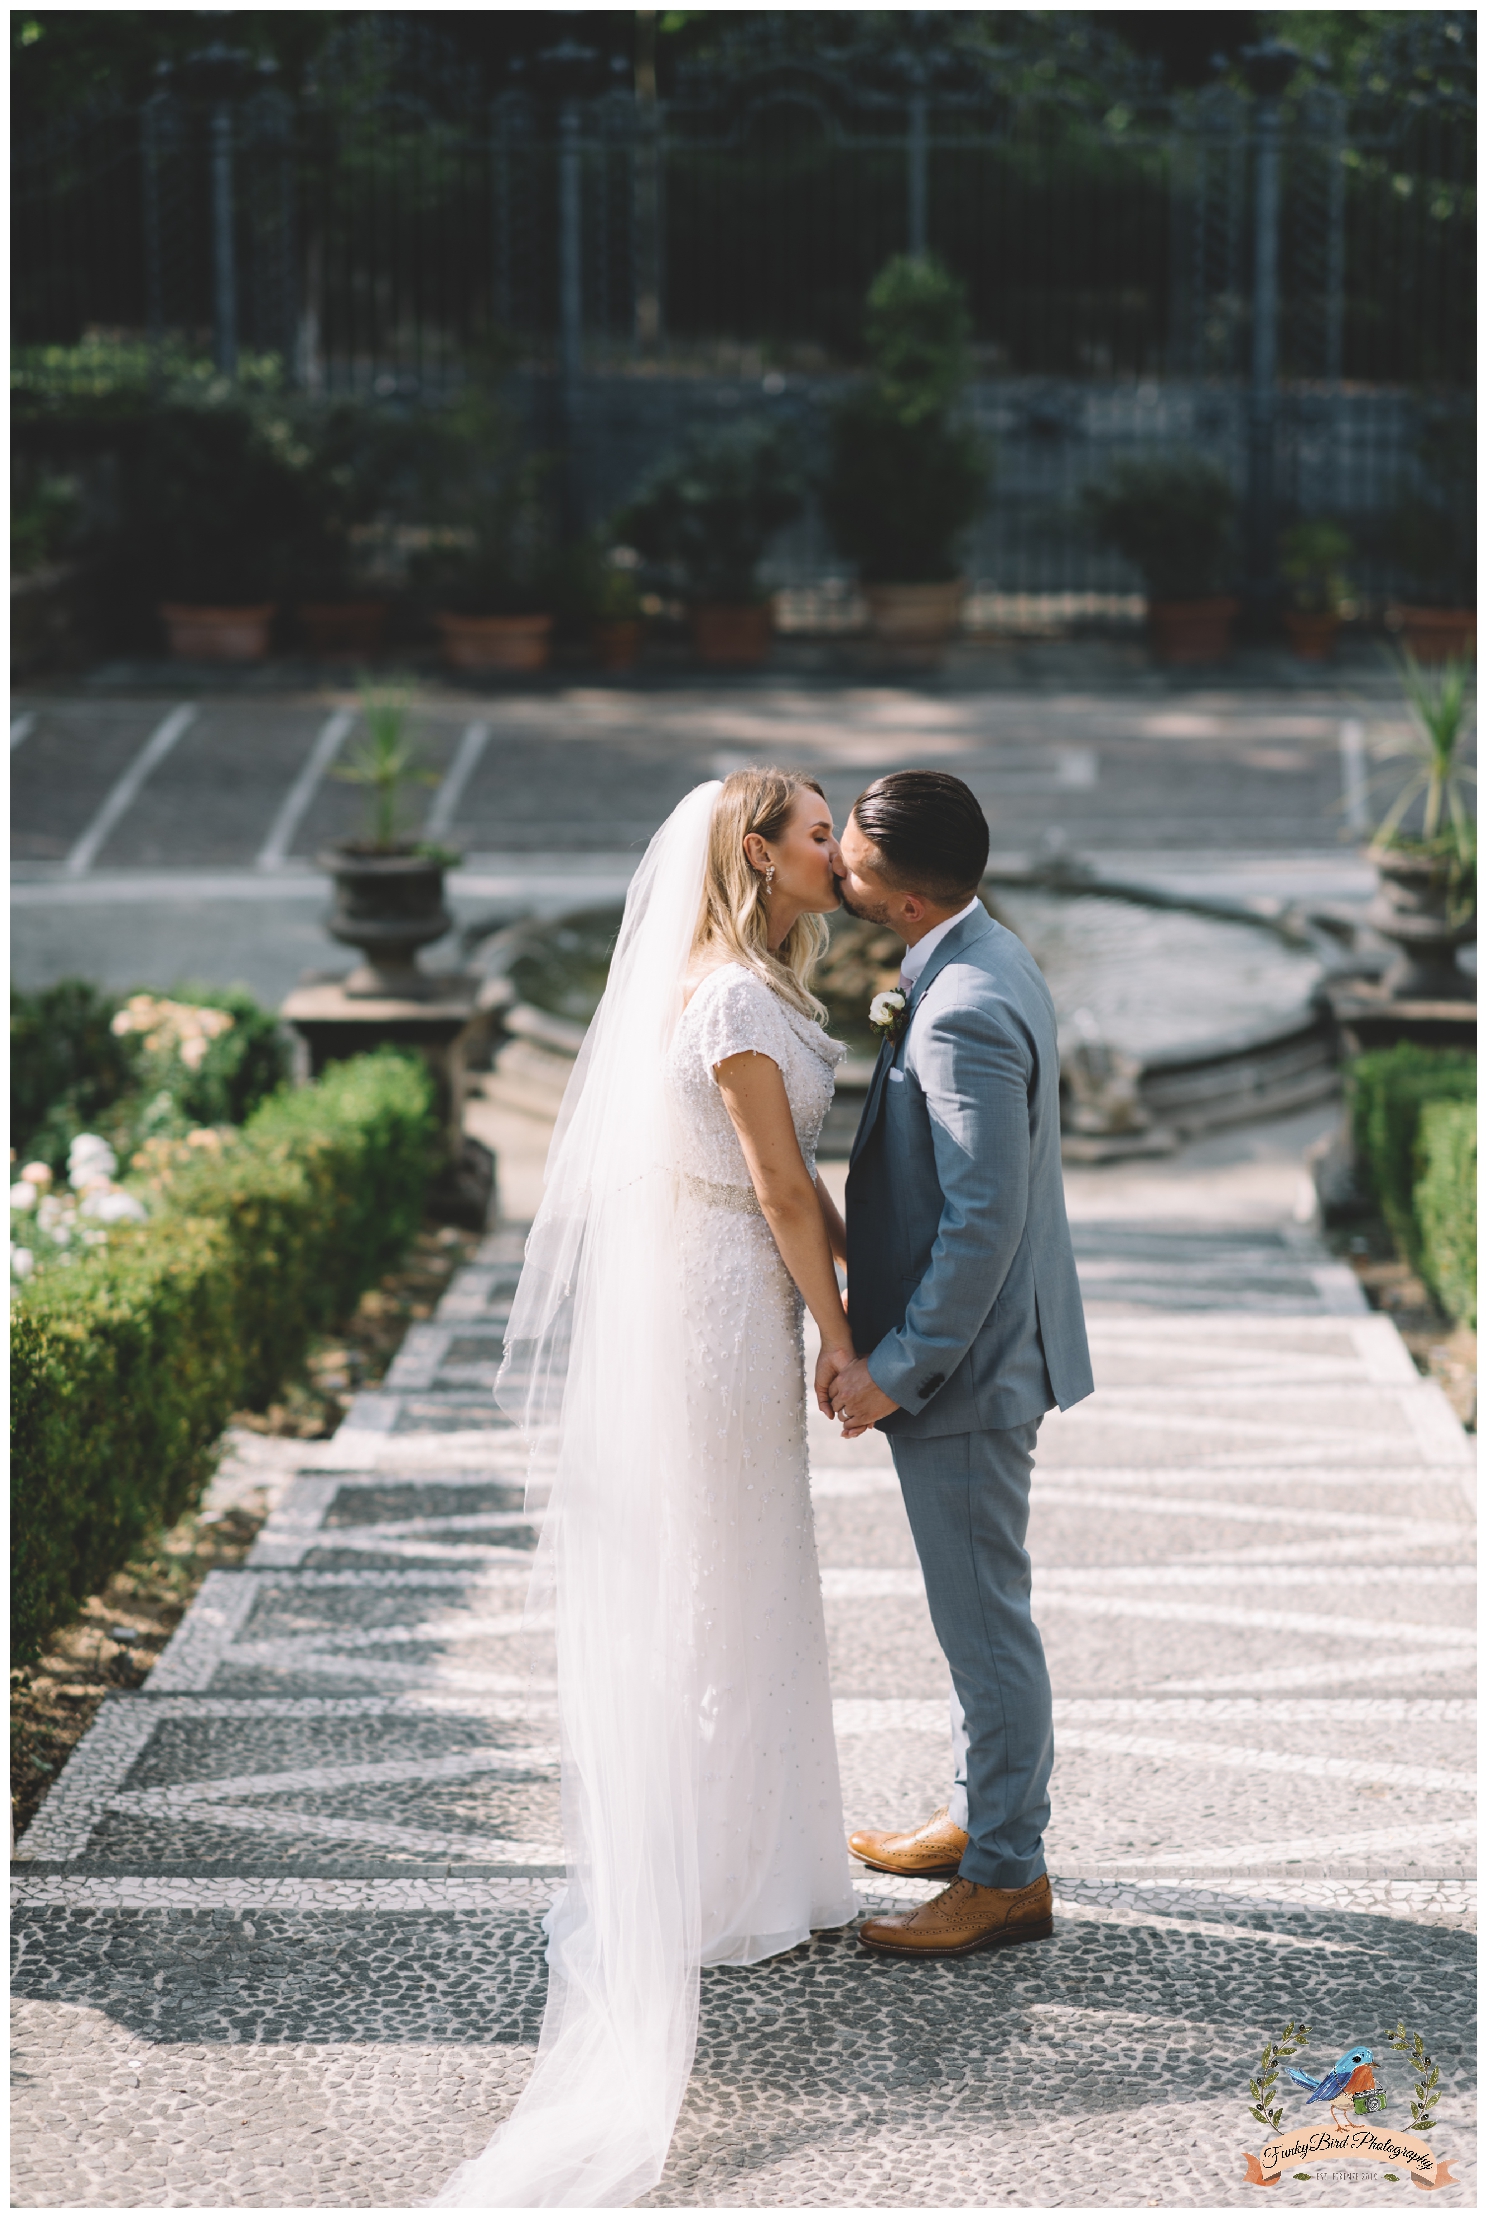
{"type": "Point", "coordinates": [916, 615]}
{"type": "Point", "coordinates": [736, 633]}
{"type": "Point", "coordinates": [495, 642]}
{"type": "Point", "coordinates": [1192, 631]}
{"type": "Point", "coordinates": [1312, 633]}
{"type": "Point", "coordinates": [334, 628]}
{"type": "Point", "coordinates": [1438, 634]}
{"type": "Point", "coordinates": [388, 904]}
{"type": "Point", "coordinates": [616, 645]}
{"type": "Point", "coordinates": [204, 634]}
{"type": "Point", "coordinates": [1427, 919]}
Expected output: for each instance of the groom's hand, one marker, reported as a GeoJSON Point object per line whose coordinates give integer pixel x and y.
{"type": "Point", "coordinates": [828, 1363]}
{"type": "Point", "coordinates": [856, 1400]}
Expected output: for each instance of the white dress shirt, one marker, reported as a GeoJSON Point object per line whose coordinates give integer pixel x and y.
{"type": "Point", "coordinates": [918, 955]}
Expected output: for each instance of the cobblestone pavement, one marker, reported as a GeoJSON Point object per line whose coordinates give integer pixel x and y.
{"type": "Point", "coordinates": [277, 1922]}
{"type": "Point", "coordinates": [144, 821]}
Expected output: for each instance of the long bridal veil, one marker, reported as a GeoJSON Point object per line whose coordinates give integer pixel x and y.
{"type": "Point", "coordinates": [595, 1371]}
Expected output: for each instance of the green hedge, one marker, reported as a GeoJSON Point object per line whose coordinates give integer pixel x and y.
{"type": "Point", "coordinates": [1446, 1205]}
{"type": "Point", "coordinates": [126, 1365]}
{"type": "Point", "coordinates": [1387, 1090]}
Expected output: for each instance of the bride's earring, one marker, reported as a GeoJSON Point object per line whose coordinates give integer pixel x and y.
{"type": "Point", "coordinates": [769, 880]}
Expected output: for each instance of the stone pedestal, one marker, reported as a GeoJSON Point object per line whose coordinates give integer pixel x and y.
{"type": "Point", "coordinates": [333, 1027]}
{"type": "Point", "coordinates": [1369, 1017]}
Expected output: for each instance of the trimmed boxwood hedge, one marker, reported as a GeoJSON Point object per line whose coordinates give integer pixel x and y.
{"type": "Point", "coordinates": [126, 1365]}
{"type": "Point", "coordinates": [1446, 1205]}
{"type": "Point", "coordinates": [1387, 1090]}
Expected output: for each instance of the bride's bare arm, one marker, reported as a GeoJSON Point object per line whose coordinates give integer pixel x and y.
{"type": "Point", "coordinates": [754, 1094]}
{"type": "Point", "coordinates": [836, 1231]}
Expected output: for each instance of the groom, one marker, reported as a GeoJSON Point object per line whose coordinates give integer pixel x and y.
{"type": "Point", "coordinates": [964, 1296]}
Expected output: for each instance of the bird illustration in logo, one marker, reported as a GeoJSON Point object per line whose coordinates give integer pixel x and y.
{"type": "Point", "coordinates": [1352, 2074]}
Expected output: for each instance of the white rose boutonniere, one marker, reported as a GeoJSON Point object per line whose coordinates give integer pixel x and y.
{"type": "Point", "coordinates": [887, 1013]}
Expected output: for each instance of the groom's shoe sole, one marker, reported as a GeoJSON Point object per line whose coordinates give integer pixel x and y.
{"type": "Point", "coordinates": [906, 1871]}
{"type": "Point", "coordinates": [1001, 1936]}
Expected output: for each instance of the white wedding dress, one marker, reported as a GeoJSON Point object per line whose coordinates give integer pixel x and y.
{"type": "Point", "coordinates": [654, 1357]}
{"type": "Point", "coordinates": [771, 1846]}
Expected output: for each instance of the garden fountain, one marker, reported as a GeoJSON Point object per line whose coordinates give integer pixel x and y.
{"type": "Point", "coordinates": [1176, 1014]}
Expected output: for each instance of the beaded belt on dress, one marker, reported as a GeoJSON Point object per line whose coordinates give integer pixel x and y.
{"type": "Point", "coordinates": [741, 1199]}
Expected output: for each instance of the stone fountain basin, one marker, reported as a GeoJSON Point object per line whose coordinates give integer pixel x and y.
{"type": "Point", "coordinates": [1213, 1005]}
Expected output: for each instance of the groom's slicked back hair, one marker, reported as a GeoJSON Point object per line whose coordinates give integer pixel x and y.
{"type": "Point", "coordinates": [929, 830]}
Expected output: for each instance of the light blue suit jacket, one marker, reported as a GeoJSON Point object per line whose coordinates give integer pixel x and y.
{"type": "Point", "coordinates": [960, 1271]}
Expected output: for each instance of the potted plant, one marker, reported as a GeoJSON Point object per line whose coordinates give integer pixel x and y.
{"type": "Point", "coordinates": [487, 569]}
{"type": "Point", "coordinates": [618, 627]}
{"type": "Point", "coordinates": [1173, 520]}
{"type": "Point", "coordinates": [1434, 533]}
{"type": "Point", "coordinates": [389, 888]}
{"type": "Point", "coordinates": [491, 615]}
{"type": "Point", "coordinates": [215, 501]}
{"type": "Point", "coordinates": [596, 602]}
{"type": "Point", "coordinates": [45, 515]}
{"type": "Point", "coordinates": [1312, 555]}
{"type": "Point", "coordinates": [705, 519]}
{"type": "Point", "coordinates": [355, 452]}
{"type": "Point", "coordinates": [1427, 901]}
{"type": "Point", "coordinates": [906, 475]}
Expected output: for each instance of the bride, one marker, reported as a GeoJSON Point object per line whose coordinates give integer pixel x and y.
{"type": "Point", "coordinates": [654, 1356]}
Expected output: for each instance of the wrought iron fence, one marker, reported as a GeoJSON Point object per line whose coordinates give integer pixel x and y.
{"type": "Point", "coordinates": [396, 224]}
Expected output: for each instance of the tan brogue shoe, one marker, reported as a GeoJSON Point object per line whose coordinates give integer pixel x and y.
{"type": "Point", "coordinates": [932, 1851]}
{"type": "Point", "coordinates": [963, 1919]}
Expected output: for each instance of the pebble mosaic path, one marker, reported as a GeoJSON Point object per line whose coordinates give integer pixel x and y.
{"type": "Point", "coordinates": [276, 1925]}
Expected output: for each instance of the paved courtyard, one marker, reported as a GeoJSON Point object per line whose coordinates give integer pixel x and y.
{"type": "Point", "coordinates": [277, 1922]}
{"type": "Point", "coordinates": [157, 828]}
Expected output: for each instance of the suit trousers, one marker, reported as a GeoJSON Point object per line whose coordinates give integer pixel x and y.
{"type": "Point", "coordinates": [967, 1499]}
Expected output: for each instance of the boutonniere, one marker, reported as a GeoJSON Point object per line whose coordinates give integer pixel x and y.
{"type": "Point", "coordinates": [888, 1013]}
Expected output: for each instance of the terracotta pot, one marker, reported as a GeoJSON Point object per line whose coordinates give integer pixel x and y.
{"type": "Point", "coordinates": [1438, 634]}
{"type": "Point", "coordinates": [916, 615]}
{"type": "Point", "coordinates": [617, 645]}
{"type": "Point", "coordinates": [217, 634]}
{"type": "Point", "coordinates": [389, 906]}
{"type": "Point", "coordinates": [44, 629]}
{"type": "Point", "coordinates": [1311, 632]}
{"type": "Point", "coordinates": [1414, 908]}
{"type": "Point", "coordinates": [732, 631]}
{"type": "Point", "coordinates": [496, 642]}
{"type": "Point", "coordinates": [1192, 631]}
{"type": "Point", "coordinates": [343, 627]}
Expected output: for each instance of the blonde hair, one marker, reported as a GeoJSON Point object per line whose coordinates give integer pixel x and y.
{"type": "Point", "coordinates": [733, 924]}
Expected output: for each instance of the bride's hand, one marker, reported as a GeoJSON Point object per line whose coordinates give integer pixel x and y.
{"type": "Point", "coordinates": [829, 1363]}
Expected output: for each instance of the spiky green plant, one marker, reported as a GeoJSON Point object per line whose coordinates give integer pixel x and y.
{"type": "Point", "coordinates": [1441, 726]}
{"type": "Point", "coordinates": [386, 758]}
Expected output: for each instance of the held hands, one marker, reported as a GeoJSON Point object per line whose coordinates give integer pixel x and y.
{"type": "Point", "coordinates": [853, 1396]}
{"type": "Point", "coordinates": [829, 1363]}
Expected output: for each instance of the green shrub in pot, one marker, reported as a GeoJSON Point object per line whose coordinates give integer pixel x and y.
{"type": "Point", "coordinates": [704, 520]}
{"type": "Point", "coordinates": [217, 493]}
{"type": "Point", "coordinates": [1314, 555]}
{"type": "Point", "coordinates": [1172, 518]}
{"type": "Point", "coordinates": [1313, 558]}
{"type": "Point", "coordinates": [1433, 538]}
{"type": "Point", "coordinates": [705, 517]}
{"type": "Point", "coordinates": [483, 496]}
{"type": "Point", "coordinates": [907, 475]}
